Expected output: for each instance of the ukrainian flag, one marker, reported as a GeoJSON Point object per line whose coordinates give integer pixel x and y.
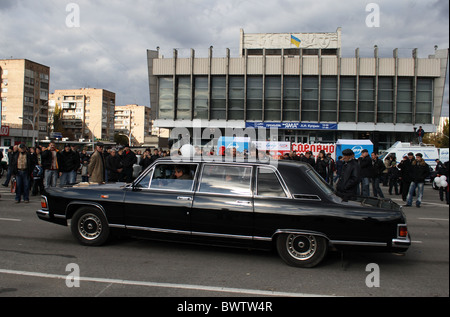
{"type": "Point", "coordinates": [295, 41]}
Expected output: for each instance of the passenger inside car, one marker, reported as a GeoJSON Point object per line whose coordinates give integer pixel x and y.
{"type": "Point", "coordinates": [173, 177]}
{"type": "Point", "coordinates": [181, 172]}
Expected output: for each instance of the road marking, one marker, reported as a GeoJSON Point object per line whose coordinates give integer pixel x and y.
{"type": "Point", "coordinates": [435, 219]}
{"type": "Point", "coordinates": [166, 285]}
{"type": "Point", "coordinates": [9, 219]}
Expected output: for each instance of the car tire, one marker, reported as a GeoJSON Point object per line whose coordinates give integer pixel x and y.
{"type": "Point", "coordinates": [302, 250]}
{"type": "Point", "coordinates": [89, 227]}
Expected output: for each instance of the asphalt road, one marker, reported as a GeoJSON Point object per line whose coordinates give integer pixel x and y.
{"type": "Point", "coordinates": [40, 259]}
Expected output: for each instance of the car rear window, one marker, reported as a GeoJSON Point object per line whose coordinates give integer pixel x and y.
{"type": "Point", "coordinates": [268, 183]}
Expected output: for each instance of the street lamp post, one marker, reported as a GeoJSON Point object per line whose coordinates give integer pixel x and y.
{"type": "Point", "coordinates": [32, 125]}
{"type": "Point", "coordinates": [33, 142]}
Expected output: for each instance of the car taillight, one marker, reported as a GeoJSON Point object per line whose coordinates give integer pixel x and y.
{"type": "Point", "coordinates": [402, 231]}
{"type": "Point", "coordinates": [44, 204]}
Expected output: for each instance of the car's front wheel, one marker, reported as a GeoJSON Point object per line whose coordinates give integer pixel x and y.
{"type": "Point", "coordinates": [89, 226]}
{"type": "Point", "coordinates": [302, 250]}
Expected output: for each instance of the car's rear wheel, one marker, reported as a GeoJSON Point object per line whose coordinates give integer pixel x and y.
{"type": "Point", "coordinates": [89, 226]}
{"type": "Point", "coordinates": [302, 250]}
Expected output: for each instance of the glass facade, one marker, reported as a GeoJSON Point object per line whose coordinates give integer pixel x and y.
{"type": "Point", "coordinates": [166, 98]}
{"type": "Point", "coordinates": [291, 98]}
{"type": "Point", "coordinates": [366, 104]}
{"type": "Point", "coordinates": [383, 99]}
{"type": "Point", "coordinates": [201, 97]}
{"type": "Point", "coordinates": [347, 99]}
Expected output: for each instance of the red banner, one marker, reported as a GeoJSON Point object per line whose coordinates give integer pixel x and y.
{"type": "Point", "coordinates": [314, 148]}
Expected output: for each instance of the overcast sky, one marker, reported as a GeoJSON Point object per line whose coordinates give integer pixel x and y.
{"type": "Point", "coordinates": [107, 49]}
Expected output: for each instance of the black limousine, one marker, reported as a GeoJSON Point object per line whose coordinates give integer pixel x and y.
{"type": "Point", "coordinates": [286, 205]}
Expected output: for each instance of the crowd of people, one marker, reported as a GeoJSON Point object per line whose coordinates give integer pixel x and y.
{"type": "Point", "coordinates": [406, 178]}
{"type": "Point", "coordinates": [35, 169]}
{"type": "Point", "coordinates": [31, 170]}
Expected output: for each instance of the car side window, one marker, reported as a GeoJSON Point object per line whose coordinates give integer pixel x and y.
{"type": "Point", "coordinates": [226, 179]}
{"type": "Point", "coordinates": [173, 177]}
{"type": "Point", "coordinates": [145, 182]}
{"type": "Point", "coordinates": [268, 183]}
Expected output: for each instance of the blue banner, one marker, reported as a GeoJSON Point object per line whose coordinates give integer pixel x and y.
{"type": "Point", "coordinates": [293, 125]}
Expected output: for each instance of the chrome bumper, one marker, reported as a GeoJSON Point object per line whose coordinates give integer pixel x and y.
{"type": "Point", "coordinates": [402, 243]}
{"type": "Point", "coordinates": [45, 214]}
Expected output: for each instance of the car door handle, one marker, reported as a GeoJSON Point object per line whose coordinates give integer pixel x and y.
{"type": "Point", "coordinates": [184, 198]}
{"type": "Point", "coordinates": [243, 202]}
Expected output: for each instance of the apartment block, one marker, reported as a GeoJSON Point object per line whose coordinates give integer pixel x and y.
{"type": "Point", "coordinates": [133, 121]}
{"type": "Point", "coordinates": [86, 113]}
{"type": "Point", "coordinates": [24, 93]}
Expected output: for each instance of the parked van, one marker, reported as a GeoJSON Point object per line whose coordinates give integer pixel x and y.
{"type": "Point", "coordinates": [399, 149]}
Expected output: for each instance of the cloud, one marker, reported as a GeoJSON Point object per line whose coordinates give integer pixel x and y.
{"type": "Point", "coordinates": [108, 50]}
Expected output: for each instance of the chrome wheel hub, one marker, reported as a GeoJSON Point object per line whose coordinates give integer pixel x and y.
{"type": "Point", "coordinates": [301, 247]}
{"type": "Point", "coordinates": [90, 226]}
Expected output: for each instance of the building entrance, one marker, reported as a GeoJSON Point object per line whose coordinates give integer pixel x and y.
{"type": "Point", "coordinates": [294, 136]}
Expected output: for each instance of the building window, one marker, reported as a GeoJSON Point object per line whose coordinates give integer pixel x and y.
{"type": "Point", "coordinates": [347, 99]}
{"type": "Point", "coordinates": [310, 97]}
{"type": "Point", "coordinates": [201, 98]}
{"type": "Point", "coordinates": [236, 98]}
{"type": "Point", "coordinates": [166, 100]}
{"type": "Point", "coordinates": [328, 99]}
{"type": "Point", "coordinates": [366, 99]}
{"type": "Point", "coordinates": [385, 109]}
{"type": "Point", "coordinates": [184, 98]}
{"type": "Point", "coordinates": [218, 97]}
{"type": "Point", "coordinates": [291, 98]}
{"type": "Point", "coordinates": [254, 98]}
{"type": "Point", "coordinates": [404, 100]}
{"type": "Point", "coordinates": [272, 103]}
{"type": "Point", "coordinates": [424, 105]}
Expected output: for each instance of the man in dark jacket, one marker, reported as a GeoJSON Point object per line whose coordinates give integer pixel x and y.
{"type": "Point", "coordinates": [366, 172]}
{"type": "Point", "coordinates": [420, 171]}
{"type": "Point", "coordinates": [405, 174]}
{"type": "Point", "coordinates": [113, 166]}
{"type": "Point", "coordinates": [308, 158]}
{"type": "Point", "coordinates": [128, 160]}
{"type": "Point", "coordinates": [378, 168]}
{"type": "Point", "coordinates": [350, 176]}
{"type": "Point", "coordinates": [146, 160]}
{"type": "Point", "coordinates": [68, 162]}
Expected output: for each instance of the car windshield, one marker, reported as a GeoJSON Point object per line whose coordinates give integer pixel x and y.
{"type": "Point", "coordinates": [319, 181]}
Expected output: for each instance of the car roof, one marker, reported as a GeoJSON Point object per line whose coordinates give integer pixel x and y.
{"type": "Point", "coordinates": [229, 160]}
